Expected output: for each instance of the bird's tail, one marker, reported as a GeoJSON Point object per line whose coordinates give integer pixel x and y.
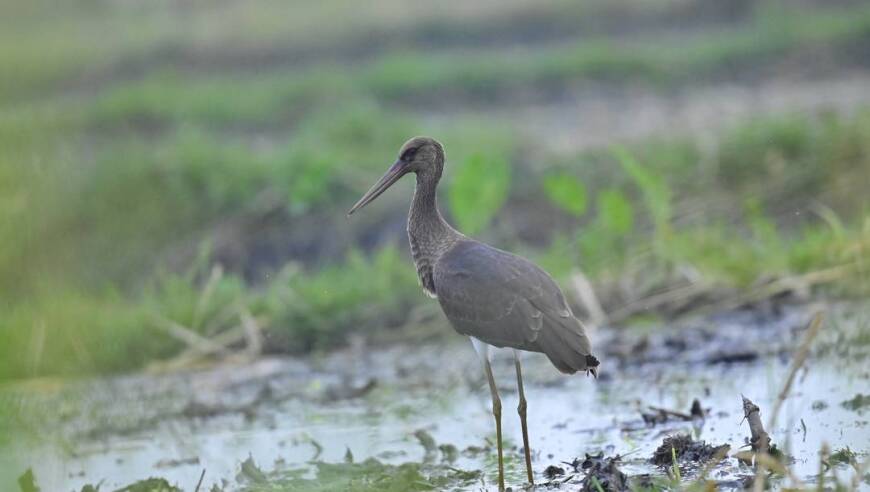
{"type": "Point", "coordinates": [564, 342]}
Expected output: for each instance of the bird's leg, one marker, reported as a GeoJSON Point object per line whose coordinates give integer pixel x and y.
{"type": "Point", "coordinates": [496, 412]}
{"type": "Point", "coordinates": [521, 409]}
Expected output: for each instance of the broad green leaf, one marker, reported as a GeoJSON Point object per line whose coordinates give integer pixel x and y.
{"type": "Point", "coordinates": [567, 192]}
{"type": "Point", "coordinates": [615, 212]}
{"type": "Point", "coordinates": [479, 189]}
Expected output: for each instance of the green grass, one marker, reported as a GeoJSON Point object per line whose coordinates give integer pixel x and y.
{"type": "Point", "coordinates": [172, 97]}
{"type": "Point", "coordinates": [773, 198]}
{"type": "Point", "coordinates": [112, 181]}
{"type": "Point", "coordinates": [85, 305]}
{"type": "Point", "coordinates": [47, 46]}
{"type": "Point", "coordinates": [361, 295]}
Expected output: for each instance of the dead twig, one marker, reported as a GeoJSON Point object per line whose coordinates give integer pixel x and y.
{"type": "Point", "coordinates": [671, 413]}
{"type": "Point", "coordinates": [199, 483]}
{"type": "Point", "coordinates": [189, 356]}
{"type": "Point", "coordinates": [193, 340]}
{"type": "Point", "coordinates": [760, 440]}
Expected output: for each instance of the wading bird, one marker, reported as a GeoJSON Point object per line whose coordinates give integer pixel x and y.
{"type": "Point", "coordinates": [495, 297]}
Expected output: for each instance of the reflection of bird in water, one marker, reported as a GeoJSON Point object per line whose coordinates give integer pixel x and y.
{"type": "Point", "coordinates": [493, 296]}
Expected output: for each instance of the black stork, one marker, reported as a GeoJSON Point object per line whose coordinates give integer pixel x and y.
{"type": "Point", "coordinates": [495, 297]}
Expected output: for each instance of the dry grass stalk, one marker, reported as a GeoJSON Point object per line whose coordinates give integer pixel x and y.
{"type": "Point", "coordinates": [586, 296]}
{"type": "Point", "coordinates": [192, 339]}
{"type": "Point", "coordinates": [253, 333]}
{"type": "Point", "coordinates": [215, 276]}
{"type": "Point", "coordinates": [798, 361]}
{"type": "Point", "coordinates": [685, 293]}
{"type": "Point", "coordinates": [786, 284]}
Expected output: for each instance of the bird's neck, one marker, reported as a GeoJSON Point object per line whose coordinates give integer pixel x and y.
{"type": "Point", "coordinates": [425, 222]}
{"type": "Point", "coordinates": [430, 235]}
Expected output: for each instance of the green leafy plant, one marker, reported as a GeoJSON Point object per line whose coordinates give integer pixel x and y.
{"type": "Point", "coordinates": [615, 212]}
{"type": "Point", "coordinates": [655, 190]}
{"type": "Point", "coordinates": [480, 187]}
{"type": "Point", "coordinates": [566, 191]}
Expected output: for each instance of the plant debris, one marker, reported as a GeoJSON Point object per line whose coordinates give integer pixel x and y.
{"type": "Point", "coordinates": [474, 451]}
{"type": "Point", "coordinates": [603, 474]}
{"type": "Point", "coordinates": [843, 456]}
{"type": "Point", "coordinates": [858, 403]}
{"type": "Point", "coordinates": [151, 485]}
{"type": "Point", "coordinates": [449, 453]}
{"type": "Point", "coordinates": [173, 463]}
{"type": "Point", "coordinates": [27, 482]}
{"type": "Point", "coordinates": [426, 440]}
{"type": "Point", "coordinates": [371, 475]}
{"type": "Point", "coordinates": [658, 415]}
{"type": "Point", "coordinates": [250, 472]}
{"type": "Point", "coordinates": [554, 471]}
{"type": "Point", "coordinates": [759, 439]}
{"type": "Point", "coordinates": [686, 450]}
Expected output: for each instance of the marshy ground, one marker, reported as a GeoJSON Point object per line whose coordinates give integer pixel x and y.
{"type": "Point", "coordinates": [180, 289]}
{"type": "Point", "coordinates": [358, 417]}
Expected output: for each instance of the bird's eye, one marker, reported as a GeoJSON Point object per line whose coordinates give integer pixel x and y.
{"type": "Point", "coordinates": [409, 154]}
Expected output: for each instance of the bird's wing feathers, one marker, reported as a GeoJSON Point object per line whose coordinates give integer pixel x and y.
{"type": "Point", "coordinates": [507, 301]}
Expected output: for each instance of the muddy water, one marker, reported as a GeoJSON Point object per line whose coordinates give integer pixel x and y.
{"type": "Point", "coordinates": [285, 413]}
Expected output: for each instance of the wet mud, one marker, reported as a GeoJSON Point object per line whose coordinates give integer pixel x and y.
{"type": "Point", "coordinates": [667, 407]}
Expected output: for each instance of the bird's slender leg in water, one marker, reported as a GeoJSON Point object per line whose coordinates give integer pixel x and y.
{"type": "Point", "coordinates": [521, 409]}
{"type": "Point", "coordinates": [496, 412]}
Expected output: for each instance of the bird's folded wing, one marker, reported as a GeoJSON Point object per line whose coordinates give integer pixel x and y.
{"type": "Point", "coordinates": [507, 301]}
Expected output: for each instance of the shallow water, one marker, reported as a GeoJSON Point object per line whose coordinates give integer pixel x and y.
{"type": "Point", "coordinates": [135, 427]}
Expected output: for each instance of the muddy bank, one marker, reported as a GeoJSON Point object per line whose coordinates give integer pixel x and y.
{"type": "Point", "coordinates": [423, 411]}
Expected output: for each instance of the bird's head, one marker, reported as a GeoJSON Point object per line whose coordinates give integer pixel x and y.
{"type": "Point", "coordinates": [423, 156]}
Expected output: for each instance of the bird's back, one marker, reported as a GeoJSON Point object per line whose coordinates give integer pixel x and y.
{"type": "Point", "coordinates": [507, 301]}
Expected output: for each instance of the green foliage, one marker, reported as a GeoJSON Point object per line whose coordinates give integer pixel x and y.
{"type": "Point", "coordinates": [65, 331]}
{"type": "Point", "coordinates": [567, 192]}
{"type": "Point", "coordinates": [763, 150]}
{"type": "Point", "coordinates": [150, 485]}
{"type": "Point", "coordinates": [320, 309]}
{"type": "Point", "coordinates": [783, 159]}
{"type": "Point", "coordinates": [656, 192]}
{"type": "Point", "coordinates": [27, 482]}
{"type": "Point", "coordinates": [615, 212]}
{"type": "Point", "coordinates": [175, 95]}
{"type": "Point", "coordinates": [764, 231]}
{"type": "Point", "coordinates": [605, 243]}
{"type": "Point", "coordinates": [718, 253]}
{"type": "Point", "coordinates": [101, 189]}
{"type": "Point", "coordinates": [370, 475]}
{"type": "Point", "coordinates": [479, 188]}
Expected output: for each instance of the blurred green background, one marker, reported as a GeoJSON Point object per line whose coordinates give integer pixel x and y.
{"type": "Point", "coordinates": [170, 168]}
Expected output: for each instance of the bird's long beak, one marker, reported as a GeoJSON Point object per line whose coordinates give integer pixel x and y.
{"type": "Point", "coordinates": [392, 175]}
